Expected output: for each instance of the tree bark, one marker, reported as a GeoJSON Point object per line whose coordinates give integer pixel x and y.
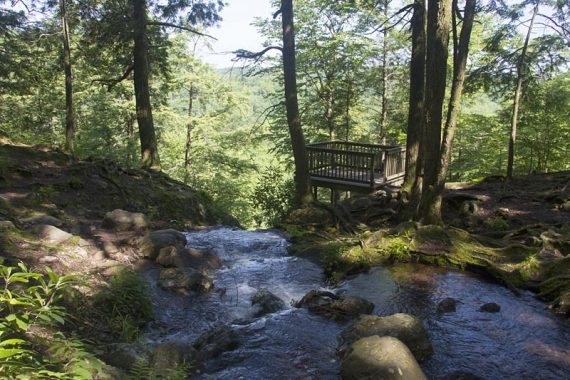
{"type": "Point", "coordinates": [416, 105]}
{"type": "Point", "coordinates": [459, 67]}
{"type": "Point", "coordinates": [518, 92]}
{"type": "Point", "coordinates": [149, 149]}
{"type": "Point", "coordinates": [69, 117]}
{"type": "Point", "coordinates": [438, 27]}
{"type": "Point", "coordinates": [384, 89]}
{"type": "Point", "coordinates": [302, 180]}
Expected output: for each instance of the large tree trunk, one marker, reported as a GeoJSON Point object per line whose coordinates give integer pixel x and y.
{"type": "Point", "coordinates": [302, 180]}
{"type": "Point", "coordinates": [384, 89]}
{"type": "Point", "coordinates": [69, 119]}
{"type": "Point", "coordinates": [518, 92]}
{"type": "Point", "coordinates": [438, 26]}
{"type": "Point", "coordinates": [149, 149]}
{"type": "Point", "coordinates": [415, 128]}
{"type": "Point", "coordinates": [459, 66]}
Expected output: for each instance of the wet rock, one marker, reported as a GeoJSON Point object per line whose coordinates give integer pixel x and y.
{"type": "Point", "coordinates": [156, 240]}
{"type": "Point", "coordinates": [125, 355]}
{"type": "Point", "coordinates": [6, 225]}
{"type": "Point", "coordinates": [42, 219]}
{"type": "Point", "coordinates": [198, 259]}
{"type": "Point", "coordinates": [266, 302]}
{"type": "Point", "coordinates": [51, 234]}
{"type": "Point", "coordinates": [121, 220]}
{"type": "Point", "coordinates": [184, 280]}
{"type": "Point", "coordinates": [380, 358]}
{"type": "Point", "coordinates": [447, 305]}
{"type": "Point", "coordinates": [332, 306]}
{"type": "Point", "coordinates": [405, 327]}
{"type": "Point", "coordinates": [172, 355]}
{"type": "Point", "coordinates": [490, 307]}
{"type": "Point", "coordinates": [216, 341]}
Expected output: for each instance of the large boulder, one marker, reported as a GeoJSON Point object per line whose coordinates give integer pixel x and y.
{"type": "Point", "coordinates": [405, 327]}
{"type": "Point", "coordinates": [121, 220]}
{"type": "Point", "coordinates": [212, 343]}
{"type": "Point", "coordinates": [266, 302]}
{"type": "Point", "coordinates": [380, 358]}
{"type": "Point", "coordinates": [156, 240]}
{"type": "Point", "coordinates": [333, 306]}
{"type": "Point", "coordinates": [198, 259]}
{"type": "Point", "coordinates": [51, 234]}
{"type": "Point", "coordinates": [184, 280]}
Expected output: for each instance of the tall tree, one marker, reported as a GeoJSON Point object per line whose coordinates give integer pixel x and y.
{"type": "Point", "coordinates": [385, 67]}
{"type": "Point", "coordinates": [517, 96]}
{"type": "Point", "coordinates": [416, 103]}
{"type": "Point", "coordinates": [69, 117]}
{"type": "Point", "coordinates": [302, 179]}
{"type": "Point", "coordinates": [461, 53]}
{"type": "Point", "coordinates": [438, 28]}
{"type": "Point", "coordinates": [149, 148]}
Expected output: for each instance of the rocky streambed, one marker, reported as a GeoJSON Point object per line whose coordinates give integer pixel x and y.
{"type": "Point", "coordinates": [254, 311]}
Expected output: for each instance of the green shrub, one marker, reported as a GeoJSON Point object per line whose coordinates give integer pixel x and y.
{"type": "Point", "coordinates": [29, 302]}
{"type": "Point", "coordinates": [125, 305]}
{"type": "Point", "coordinates": [272, 196]}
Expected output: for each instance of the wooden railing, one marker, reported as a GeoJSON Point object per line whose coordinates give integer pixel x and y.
{"type": "Point", "coordinates": [355, 162]}
{"type": "Point", "coordinates": [394, 163]}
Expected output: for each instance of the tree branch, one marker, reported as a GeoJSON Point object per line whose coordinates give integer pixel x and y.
{"type": "Point", "coordinates": [169, 25]}
{"type": "Point", "coordinates": [112, 82]}
{"type": "Point", "coordinates": [242, 54]}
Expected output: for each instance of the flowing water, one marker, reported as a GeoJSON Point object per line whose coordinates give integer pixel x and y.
{"type": "Point", "coordinates": [522, 341]}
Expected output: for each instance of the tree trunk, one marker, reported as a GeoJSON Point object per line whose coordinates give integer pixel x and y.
{"type": "Point", "coordinates": [439, 20]}
{"type": "Point", "coordinates": [518, 92]}
{"type": "Point", "coordinates": [189, 128]}
{"type": "Point", "coordinates": [347, 110]}
{"type": "Point", "coordinates": [302, 180]}
{"type": "Point", "coordinates": [416, 104]}
{"type": "Point", "coordinates": [384, 89]}
{"type": "Point", "coordinates": [329, 115]}
{"type": "Point", "coordinates": [149, 149]}
{"type": "Point", "coordinates": [69, 119]}
{"type": "Point", "coordinates": [459, 66]}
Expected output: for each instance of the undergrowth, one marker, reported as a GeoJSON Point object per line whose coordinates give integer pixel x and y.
{"type": "Point", "coordinates": [31, 347]}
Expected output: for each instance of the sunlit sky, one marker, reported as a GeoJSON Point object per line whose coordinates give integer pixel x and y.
{"type": "Point", "coordinates": [235, 31]}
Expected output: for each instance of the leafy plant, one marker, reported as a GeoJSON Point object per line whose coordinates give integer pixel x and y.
{"type": "Point", "coordinates": [125, 304]}
{"type": "Point", "coordinates": [29, 302]}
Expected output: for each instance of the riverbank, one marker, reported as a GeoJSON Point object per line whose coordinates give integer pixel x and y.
{"type": "Point", "coordinates": [517, 233]}
{"type": "Point", "coordinates": [80, 228]}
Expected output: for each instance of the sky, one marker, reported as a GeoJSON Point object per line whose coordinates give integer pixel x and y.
{"type": "Point", "coordinates": [235, 31]}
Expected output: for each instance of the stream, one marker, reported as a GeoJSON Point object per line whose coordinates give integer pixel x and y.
{"type": "Point", "coordinates": [522, 341]}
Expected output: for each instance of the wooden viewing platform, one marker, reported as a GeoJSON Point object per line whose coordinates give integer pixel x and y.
{"type": "Point", "coordinates": [355, 166]}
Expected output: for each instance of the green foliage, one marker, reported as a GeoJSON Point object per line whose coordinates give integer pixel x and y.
{"type": "Point", "coordinates": [272, 196]}
{"type": "Point", "coordinates": [125, 305]}
{"type": "Point", "coordinates": [142, 370]}
{"type": "Point", "coordinates": [29, 303]}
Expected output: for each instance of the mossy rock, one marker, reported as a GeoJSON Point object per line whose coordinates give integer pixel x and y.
{"type": "Point", "coordinates": [310, 216]}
